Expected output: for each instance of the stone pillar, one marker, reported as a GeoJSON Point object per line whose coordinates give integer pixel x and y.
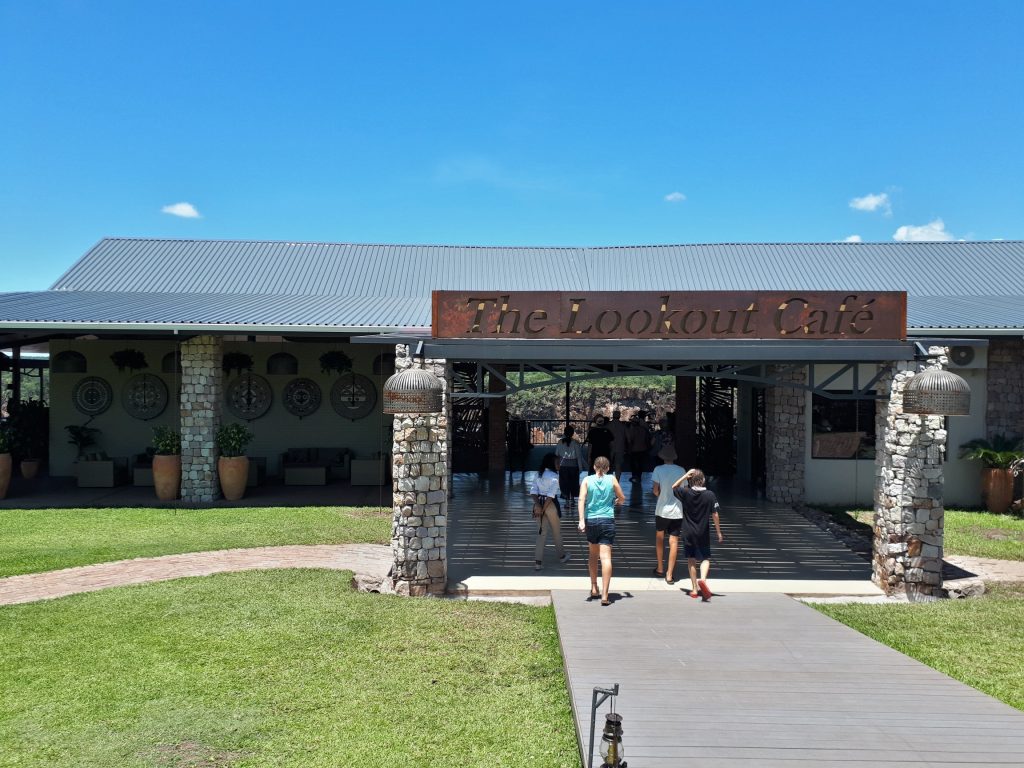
{"type": "Point", "coordinates": [422, 459]}
{"type": "Point", "coordinates": [909, 513]}
{"type": "Point", "coordinates": [785, 435]}
{"type": "Point", "coordinates": [1005, 382]}
{"type": "Point", "coordinates": [201, 397]}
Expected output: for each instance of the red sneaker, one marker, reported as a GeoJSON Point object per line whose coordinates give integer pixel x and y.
{"type": "Point", "coordinates": [705, 591]}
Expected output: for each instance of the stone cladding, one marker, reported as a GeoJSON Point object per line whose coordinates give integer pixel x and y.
{"type": "Point", "coordinates": [909, 512]}
{"type": "Point", "coordinates": [201, 396]}
{"type": "Point", "coordinates": [785, 436]}
{"type": "Point", "coordinates": [422, 468]}
{"type": "Point", "coordinates": [1005, 413]}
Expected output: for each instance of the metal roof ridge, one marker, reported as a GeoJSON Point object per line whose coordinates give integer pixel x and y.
{"type": "Point", "coordinates": [349, 243]}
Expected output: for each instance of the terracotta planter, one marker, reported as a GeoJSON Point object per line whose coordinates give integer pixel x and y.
{"type": "Point", "coordinates": [167, 477]}
{"type": "Point", "coordinates": [30, 468]}
{"type": "Point", "coordinates": [997, 490]}
{"type": "Point", "coordinates": [5, 474]}
{"type": "Point", "coordinates": [234, 473]}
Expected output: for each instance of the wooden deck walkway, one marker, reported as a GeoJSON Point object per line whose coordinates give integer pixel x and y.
{"type": "Point", "coordinates": [766, 681]}
{"type": "Point", "coordinates": [491, 538]}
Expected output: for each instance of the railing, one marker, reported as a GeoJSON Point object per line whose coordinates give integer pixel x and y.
{"type": "Point", "coordinates": [549, 431]}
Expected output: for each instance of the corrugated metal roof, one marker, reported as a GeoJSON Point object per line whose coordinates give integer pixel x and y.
{"type": "Point", "coordinates": [981, 312]}
{"type": "Point", "coordinates": [124, 281]}
{"type": "Point", "coordinates": [377, 312]}
{"type": "Point", "coordinates": [95, 308]}
{"type": "Point", "coordinates": [346, 269]}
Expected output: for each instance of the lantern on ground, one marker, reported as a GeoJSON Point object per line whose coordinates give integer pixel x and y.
{"type": "Point", "coordinates": [936, 391]}
{"type": "Point", "coordinates": [413, 391]}
{"type": "Point", "coordinates": [611, 742]}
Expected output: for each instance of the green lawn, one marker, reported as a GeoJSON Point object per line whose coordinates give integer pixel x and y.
{"type": "Point", "coordinates": [34, 540]}
{"type": "Point", "coordinates": [978, 641]}
{"type": "Point", "coordinates": [983, 534]}
{"type": "Point", "coordinates": [280, 668]}
{"type": "Point", "coordinates": [978, 534]}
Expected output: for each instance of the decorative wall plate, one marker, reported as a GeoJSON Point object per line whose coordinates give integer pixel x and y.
{"type": "Point", "coordinates": [353, 396]}
{"type": "Point", "coordinates": [92, 395]}
{"type": "Point", "coordinates": [248, 396]}
{"type": "Point", "coordinates": [301, 397]}
{"type": "Point", "coordinates": [144, 396]}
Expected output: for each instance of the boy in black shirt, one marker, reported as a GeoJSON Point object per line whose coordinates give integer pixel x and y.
{"type": "Point", "coordinates": [700, 507]}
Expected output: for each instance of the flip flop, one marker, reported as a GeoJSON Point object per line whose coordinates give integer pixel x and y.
{"type": "Point", "coordinates": [606, 602]}
{"type": "Point", "coordinates": [658, 574]}
{"type": "Point", "coordinates": [593, 596]}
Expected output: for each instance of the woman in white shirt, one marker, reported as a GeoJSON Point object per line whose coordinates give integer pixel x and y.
{"type": "Point", "coordinates": [545, 492]}
{"type": "Point", "coordinates": [569, 459]}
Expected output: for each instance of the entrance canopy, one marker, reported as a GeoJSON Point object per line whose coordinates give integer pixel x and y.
{"type": "Point", "coordinates": [726, 334]}
{"type": "Point", "coordinates": [644, 351]}
{"type": "Point", "coordinates": [586, 359]}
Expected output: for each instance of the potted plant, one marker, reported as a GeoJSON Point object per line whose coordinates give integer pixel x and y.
{"type": "Point", "coordinates": [30, 424]}
{"type": "Point", "coordinates": [81, 437]}
{"type": "Point", "coordinates": [166, 463]}
{"type": "Point", "coordinates": [5, 461]}
{"type": "Point", "coordinates": [132, 359]}
{"type": "Point", "coordinates": [1017, 469]}
{"type": "Point", "coordinates": [236, 361]}
{"type": "Point", "coordinates": [997, 456]}
{"type": "Point", "coordinates": [335, 360]}
{"type": "Point", "coordinates": [233, 464]}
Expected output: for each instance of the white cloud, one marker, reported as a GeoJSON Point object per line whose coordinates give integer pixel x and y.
{"type": "Point", "coordinates": [853, 239]}
{"type": "Point", "coordinates": [933, 230]}
{"type": "Point", "coordinates": [675, 197]}
{"type": "Point", "coordinates": [184, 210]}
{"type": "Point", "coordinates": [871, 203]}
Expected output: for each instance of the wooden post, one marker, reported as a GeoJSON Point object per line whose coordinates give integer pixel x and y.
{"type": "Point", "coordinates": [15, 376]}
{"type": "Point", "coordinates": [497, 414]}
{"type": "Point", "coordinates": [686, 420]}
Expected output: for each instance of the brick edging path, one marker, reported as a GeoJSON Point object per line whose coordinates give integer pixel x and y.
{"type": "Point", "coordinates": [373, 561]}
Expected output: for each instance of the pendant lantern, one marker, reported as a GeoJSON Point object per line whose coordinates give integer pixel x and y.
{"type": "Point", "coordinates": [413, 391]}
{"type": "Point", "coordinates": [937, 391]}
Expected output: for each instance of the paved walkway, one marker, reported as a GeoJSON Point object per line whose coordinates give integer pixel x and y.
{"type": "Point", "coordinates": [989, 569]}
{"type": "Point", "coordinates": [765, 681]}
{"type": "Point", "coordinates": [372, 560]}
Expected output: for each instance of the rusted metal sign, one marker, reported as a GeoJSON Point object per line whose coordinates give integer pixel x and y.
{"type": "Point", "coordinates": [670, 315]}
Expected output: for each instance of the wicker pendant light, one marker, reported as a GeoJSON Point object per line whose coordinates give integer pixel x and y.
{"type": "Point", "coordinates": [936, 391]}
{"type": "Point", "coordinates": [413, 391]}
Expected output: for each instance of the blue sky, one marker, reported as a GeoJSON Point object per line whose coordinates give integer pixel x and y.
{"type": "Point", "coordinates": [527, 123]}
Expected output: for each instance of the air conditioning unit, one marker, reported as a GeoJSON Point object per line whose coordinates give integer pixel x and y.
{"type": "Point", "coordinates": [967, 357]}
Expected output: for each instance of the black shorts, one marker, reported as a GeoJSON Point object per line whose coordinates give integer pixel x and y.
{"type": "Point", "coordinates": [698, 548]}
{"type": "Point", "coordinates": [672, 525]}
{"type": "Point", "coordinates": [601, 532]}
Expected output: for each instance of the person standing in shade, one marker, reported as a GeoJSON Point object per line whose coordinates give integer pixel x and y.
{"type": "Point", "coordinates": [668, 512]}
{"type": "Point", "coordinates": [599, 438]}
{"type": "Point", "coordinates": [638, 440]}
{"type": "Point", "coordinates": [618, 429]}
{"type": "Point", "coordinates": [700, 509]}
{"type": "Point", "coordinates": [569, 459]}
{"type": "Point", "coordinates": [517, 440]}
{"type": "Point", "coordinates": [545, 493]}
{"type": "Point", "coordinates": [599, 495]}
